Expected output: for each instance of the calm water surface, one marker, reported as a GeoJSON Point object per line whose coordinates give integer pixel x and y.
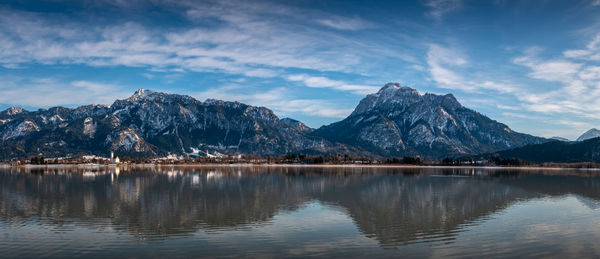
{"type": "Point", "coordinates": [298, 212]}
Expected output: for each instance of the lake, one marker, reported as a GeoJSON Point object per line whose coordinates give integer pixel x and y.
{"type": "Point", "coordinates": [298, 212]}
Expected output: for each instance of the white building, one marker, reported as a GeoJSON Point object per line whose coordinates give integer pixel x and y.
{"type": "Point", "coordinates": [113, 159]}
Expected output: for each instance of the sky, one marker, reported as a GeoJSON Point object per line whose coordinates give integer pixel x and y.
{"type": "Point", "coordinates": [533, 65]}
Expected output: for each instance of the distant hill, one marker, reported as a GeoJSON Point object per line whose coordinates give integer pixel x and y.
{"type": "Point", "coordinates": [555, 151]}
{"type": "Point", "coordinates": [560, 139]}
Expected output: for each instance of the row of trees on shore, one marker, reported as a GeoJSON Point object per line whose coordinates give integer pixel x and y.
{"type": "Point", "coordinates": [310, 159]}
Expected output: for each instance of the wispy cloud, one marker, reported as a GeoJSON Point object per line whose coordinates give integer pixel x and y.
{"type": "Point", "coordinates": [549, 70]}
{"type": "Point", "coordinates": [439, 8]}
{"type": "Point", "coordinates": [577, 89]}
{"type": "Point", "coordinates": [570, 91]}
{"type": "Point", "coordinates": [278, 99]}
{"type": "Point", "coordinates": [343, 23]}
{"type": "Point", "coordinates": [324, 82]}
{"type": "Point", "coordinates": [508, 107]}
{"type": "Point", "coordinates": [591, 52]}
{"type": "Point", "coordinates": [253, 40]}
{"type": "Point", "coordinates": [439, 59]}
{"type": "Point", "coordinates": [568, 87]}
{"type": "Point", "coordinates": [48, 92]}
{"type": "Point", "coordinates": [443, 63]}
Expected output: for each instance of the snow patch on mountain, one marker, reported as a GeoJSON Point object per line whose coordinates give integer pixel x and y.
{"type": "Point", "coordinates": [127, 140]}
{"type": "Point", "coordinates": [21, 129]}
{"type": "Point", "coordinates": [89, 127]}
{"type": "Point", "coordinates": [298, 125]}
{"type": "Point", "coordinates": [13, 111]}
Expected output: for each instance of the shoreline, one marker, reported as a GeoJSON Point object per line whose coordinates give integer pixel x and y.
{"type": "Point", "coordinates": [399, 166]}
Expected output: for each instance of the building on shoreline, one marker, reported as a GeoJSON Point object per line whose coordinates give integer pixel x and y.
{"type": "Point", "coordinates": [113, 159]}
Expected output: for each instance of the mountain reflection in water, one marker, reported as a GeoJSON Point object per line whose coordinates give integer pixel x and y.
{"type": "Point", "coordinates": [395, 207]}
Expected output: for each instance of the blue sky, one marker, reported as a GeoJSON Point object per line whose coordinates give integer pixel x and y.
{"type": "Point", "coordinates": [534, 65]}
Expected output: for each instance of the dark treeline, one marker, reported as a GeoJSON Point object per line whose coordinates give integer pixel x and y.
{"type": "Point", "coordinates": [37, 160]}
{"type": "Point", "coordinates": [510, 161]}
{"type": "Point", "coordinates": [291, 159]}
{"type": "Point", "coordinates": [313, 159]}
{"type": "Point", "coordinates": [297, 159]}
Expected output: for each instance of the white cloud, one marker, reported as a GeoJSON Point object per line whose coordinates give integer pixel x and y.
{"type": "Point", "coordinates": [442, 63]}
{"type": "Point", "coordinates": [439, 54]}
{"type": "Point", "coordinates": [47, 92]}
{"type": "Point", "coordinates": [324, 82]}
{"type": "Point", "coordinates": [438, 58]}
{"type": "Point", "coordinates": [590, 73]}
{"type": "Point", "coordinates": [549, 70]}
{"type": "Point", "coordinates": [441, 7]}
{"type": "Point", "coordinates": [550, 125]}
{"type": "Point", "coordinates": [277, 99]}
{"type": "Point", "coordinates": [254, 40]}
{"type": "Point", "coordinates": [575, 90]}
{"type": "Point", "coordinates": [261, 72]}
{"type": "Point", "coordinates": [508, 107]}
{"type": "Point", "coordinates": [591, 52]}
{"type": "Point", "coordinates": [571, 93]}
{"type": "Point", "coordinates": [343, 23]}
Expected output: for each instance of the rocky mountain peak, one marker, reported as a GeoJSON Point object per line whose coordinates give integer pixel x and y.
{"type": "Point", "coordinates": [13, 111]}
{"type": "Point", "coordinates": [447, 101]}
{"type": "Point", "coordinates": [390, 96]}
{"type": "Point", "coordinates": [141, 94]}
{"type": "Point", "coordinates": [398, 121]}
{"type": "Point", "coordinates": [298, 125]}
{"type": "Point", "coordinates": [592, 133]}
{"type": "Point", "coordinates": [390, 86]}
{"type": "Point", "coordinates": [394, 87]}
{"type": "Point", "coordinates": [142, 91]}
{"type": "Point", "coordinates": [394, 90]}
{"type": "Point", "coordinates": [211, 101]}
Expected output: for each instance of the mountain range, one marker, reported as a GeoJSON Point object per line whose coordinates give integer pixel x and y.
{"type": "Point", "coordinates": [151, 124]}
{"type": "Point", "coordinates": [395, 121]}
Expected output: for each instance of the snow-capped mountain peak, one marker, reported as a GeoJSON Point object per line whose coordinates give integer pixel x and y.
{"type": "Point", "coordinates": [399, 121]}
{"type": "Point", "coordinates": [142, 94]}
{"type": "Point", "coordinates": [391, 90]}
{"type": "Point", "coordinates": [592, 133]}
{"type": "Point", "coordinates": [13, 111]}
{"type": "Point", "coordinates": [391, 95]}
